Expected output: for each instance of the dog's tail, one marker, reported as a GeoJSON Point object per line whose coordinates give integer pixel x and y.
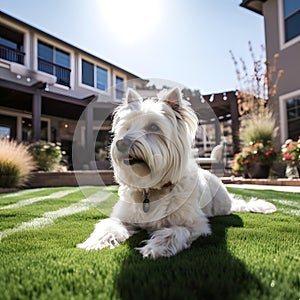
{"type": "Point", "coordinates": [253, 205]}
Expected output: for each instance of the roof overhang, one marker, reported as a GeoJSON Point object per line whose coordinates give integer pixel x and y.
{"type": "Point", "coordinates": [254, 5]}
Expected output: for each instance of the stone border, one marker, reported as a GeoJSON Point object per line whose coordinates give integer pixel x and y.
{"type": "Point", "coordinates": [8, 190]}
{"type": "Point", "coordinates": [267, 181]}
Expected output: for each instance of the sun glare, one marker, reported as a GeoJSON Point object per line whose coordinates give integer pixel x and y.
{"type": "Point", "coordinates": [131, 20]}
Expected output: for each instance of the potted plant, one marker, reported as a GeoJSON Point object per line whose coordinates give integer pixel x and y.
{"type": "Point", "coordinates": [290, 153]}
{"type": "Point", "coordinates": [258, 154]}
{"type": "Point", "coordinates": [255, 160]}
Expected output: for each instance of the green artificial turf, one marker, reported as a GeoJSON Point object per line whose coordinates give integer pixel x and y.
{"type": "Point", "coordinates": [248, 256]}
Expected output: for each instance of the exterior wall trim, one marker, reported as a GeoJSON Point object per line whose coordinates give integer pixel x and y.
{"type": "Point", "coordinates": [283, 113]}
{"type": "Point", "coordinates": [26, 40]}
{"type": "Point", "coordinates": [39, 37]}
{"type": "Point", "coordinates": [116, 73]}
{"type": "Point", "coordinates": [95, 63]}
{"type": "Point", "coordinates": [282, 44]}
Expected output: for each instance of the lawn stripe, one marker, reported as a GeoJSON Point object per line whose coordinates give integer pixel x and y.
{"type": "Point", "coordinates": [29, 201]}
{"type": "Point", "coordinates": [54, 195]}
{"type": "Point", "coordinates": [21, 193]}
{"type": "Point", "coordinates": [295, 212]}
{"type": "Point", "coordinates": [288, 207]}
{"type": "Point", "coordinates": [289, 203]}
{"type": "Point", "coordinates": [48, 217]}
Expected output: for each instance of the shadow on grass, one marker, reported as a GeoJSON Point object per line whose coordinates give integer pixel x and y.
{"type": "Point", "coordinates": [205, 271]}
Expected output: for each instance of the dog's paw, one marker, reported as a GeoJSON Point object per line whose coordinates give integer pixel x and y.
{"type": "Point", "coordinates": [151, 252]}
{"type": "Point", "coordinates": [166, 242]}
{"type": "Point", "coordinates": [108, 233]}
{"type": "Point", "coordinates": [92, 243]}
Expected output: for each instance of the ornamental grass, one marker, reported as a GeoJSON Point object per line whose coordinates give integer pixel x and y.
{"type": "Point", "coordinates": [16, 164]}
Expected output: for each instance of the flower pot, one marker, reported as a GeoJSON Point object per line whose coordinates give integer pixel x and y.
{"type": "Point", "coordinates": [291, 171]}
{"type": "Point", "coordinates": [258, 170]}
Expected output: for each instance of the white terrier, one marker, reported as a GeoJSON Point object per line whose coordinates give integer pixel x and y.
{"type": "Point", "coordinates": [162, 189]}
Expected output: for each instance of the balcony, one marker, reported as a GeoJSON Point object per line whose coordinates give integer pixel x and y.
{"type": "Point", "coordinates": [11, 54]}
{"type": "Point", "coordinates": [62, 73]}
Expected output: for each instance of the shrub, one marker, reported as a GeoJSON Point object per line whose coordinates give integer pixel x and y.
{"type": "Point", "coordinates": [258, 129]}
{"type": "Point", "coordinates": [16, 164]}
{"type": "Point", "coordinates": [47, 155]}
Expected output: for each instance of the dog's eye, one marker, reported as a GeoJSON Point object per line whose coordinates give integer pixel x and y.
{"type": "Point", "coordinates": [153, 127]}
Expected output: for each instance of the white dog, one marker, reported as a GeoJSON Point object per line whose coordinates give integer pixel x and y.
{"type": "Point", "coordinates": [162, 189]}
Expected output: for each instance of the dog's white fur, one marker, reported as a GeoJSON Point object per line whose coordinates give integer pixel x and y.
{"type": "Point", "coordinates": [159, 165]}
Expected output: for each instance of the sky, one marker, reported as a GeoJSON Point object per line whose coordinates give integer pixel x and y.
{"type": "Point", "coordinates": [185, 41]}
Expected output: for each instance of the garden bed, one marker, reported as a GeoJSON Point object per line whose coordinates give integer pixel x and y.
{"type": "Point", "coordinates": [71, 178]}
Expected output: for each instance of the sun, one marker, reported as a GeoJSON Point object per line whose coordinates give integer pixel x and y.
{"type": "Point", "coordinates": [131, 20]}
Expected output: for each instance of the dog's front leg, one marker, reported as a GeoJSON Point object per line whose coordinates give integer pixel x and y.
{"type": "Point", "coordinates": [166, 242]}
{"type": "Point", "coordinates": [107, 233]}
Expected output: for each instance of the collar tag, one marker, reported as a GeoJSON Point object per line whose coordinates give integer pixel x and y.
{"type": "Point", "coordinates": [146, 203]}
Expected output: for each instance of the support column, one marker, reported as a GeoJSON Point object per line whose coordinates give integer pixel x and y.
{"type": "Point", "coordinates": [36, 115]}
{"type": "Point", "coordinates": [89, 143]}
{"type": "Point", "coordinates": [218, 131]}
{"type": "Point", "coordinates": [235, 125]}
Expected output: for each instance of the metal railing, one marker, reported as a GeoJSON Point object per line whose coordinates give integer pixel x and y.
{"type": "Point", "coordinates": [62, 73]}
{"type": "Point", "coordinates": [11, 54]}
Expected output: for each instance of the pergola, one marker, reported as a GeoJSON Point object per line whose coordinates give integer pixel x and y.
{"type": "Point", "coordinates": [218, 108]}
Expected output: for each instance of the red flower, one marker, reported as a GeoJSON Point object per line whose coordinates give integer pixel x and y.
{"type": "Point", "coordinates": [287, 156]}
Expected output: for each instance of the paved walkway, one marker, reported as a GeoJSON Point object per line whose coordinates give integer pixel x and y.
{"type": "Point", "coordinates": [294, 189]}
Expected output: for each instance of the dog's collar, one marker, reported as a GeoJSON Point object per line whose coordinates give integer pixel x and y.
{"type": "Point", "coordinates": [167, 184]}
{"type": "Point", "coordinates": [146, 202]}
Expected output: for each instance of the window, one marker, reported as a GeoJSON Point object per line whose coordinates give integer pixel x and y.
{"type": "Point", "coordinates": [11, 45]}
{"type": "Point", "coordinates": [291, 19]}
{"type": "Point", "coordinates": [94, 76]}
{"type": "Point", "coordinates": [8, 127]}
{"type": "Point", "coordinates": [293, 117]}
{"type": "Point", "coordinates": [101, 79]}
{"type": "Point", "coordinates": [27, 130]}
{"type": "Point", "coordinates": [119, 87]}
{"type": "Point", "coordinates": [54, 61]}
{"type": "Point", "coordinates": [87, 73]}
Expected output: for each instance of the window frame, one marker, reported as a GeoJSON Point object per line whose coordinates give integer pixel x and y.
{"type": "Point", "coordinates": [38, 37]}
{"type": "Point", "coordinates": [26, 41]}
{"type": "Point", "coordinates": [283, 113]}
{"type": "Point", "coordinates": [55, 50]}
{"type": "Point", "coordinates": [95, 66]}
{"type": "Point", "coordinates": [282, 38]}
{"type": "Point", "coordinates": [120, 75]}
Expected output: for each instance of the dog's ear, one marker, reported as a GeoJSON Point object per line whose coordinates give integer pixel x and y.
{"type": "Point", "coordinates": [132, 96]}
{"type": "Point", "coordinates": [173, 98]}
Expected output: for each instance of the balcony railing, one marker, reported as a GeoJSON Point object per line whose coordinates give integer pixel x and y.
{"type": "Point", "coordinates": [62, 74]}
{"type": "Point", "coordinates": [11, 54]}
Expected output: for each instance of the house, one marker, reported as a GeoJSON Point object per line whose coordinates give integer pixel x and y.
{"type": "Point", "coordinates": [53, 91]}
{"type": "Point", "coordinates": [46, 85]}
{"type": "Point", "coordinates": [282, 32]}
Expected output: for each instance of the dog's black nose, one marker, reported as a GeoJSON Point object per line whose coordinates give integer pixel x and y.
{"type": "Point", "coordinates": [123, 145]}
